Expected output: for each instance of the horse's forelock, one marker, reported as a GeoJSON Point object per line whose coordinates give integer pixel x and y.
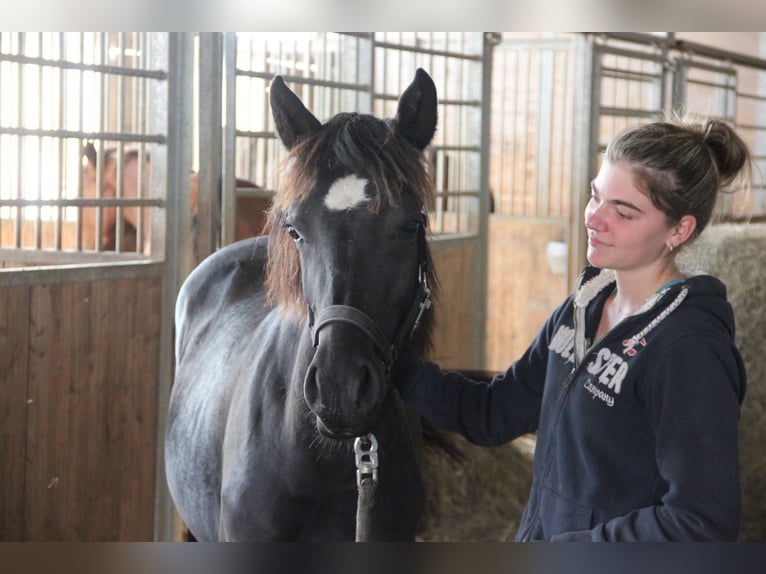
{"type": "Point", "coordinates": [283, 277]}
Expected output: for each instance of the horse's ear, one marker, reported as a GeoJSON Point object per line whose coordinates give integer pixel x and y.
{"type": "Point", "coordinates": [89, 152]}
{"type": "Point", "coordinates": [292, 119]}
{"type": "Point", "coordinates": [416, 116]}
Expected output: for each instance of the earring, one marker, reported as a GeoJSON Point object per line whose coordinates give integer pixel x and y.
{"type": "Point", "coordinates": [671, 247]}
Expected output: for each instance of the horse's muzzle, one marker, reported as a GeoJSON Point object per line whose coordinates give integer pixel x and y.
{"type": "Point", "coordinates": [345, 384]}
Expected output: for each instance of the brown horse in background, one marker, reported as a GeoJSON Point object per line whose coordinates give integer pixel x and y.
{"type": "Point", "coordinates": [250, 211]}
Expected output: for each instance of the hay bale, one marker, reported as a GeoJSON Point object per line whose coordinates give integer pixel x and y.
{"type": "Point", "coordinates": [479, 499]}
{"type": "Point", "coordinates": [736, 254]}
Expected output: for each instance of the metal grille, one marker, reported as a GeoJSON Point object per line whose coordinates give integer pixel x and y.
{"type": "Point", "coordinates": [454, 61]}
{"type": "Point", "coordinates": [532, 125]}
{"type": "Point", "coordinates": [323, 69]}
{"type": "Point", "coordinates": [366, 73]}
{"type": "Point", "coordinates": [60, 92]}
{"type": "Point", "coordinates": [706, 86]}
{"type": "Point", "coordinates": [639, 79]}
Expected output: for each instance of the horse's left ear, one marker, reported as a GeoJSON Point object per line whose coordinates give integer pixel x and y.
{"type": "Point", "coordinates": [291, 117]}
{"type": "Point", "coordinates": [416, 116]}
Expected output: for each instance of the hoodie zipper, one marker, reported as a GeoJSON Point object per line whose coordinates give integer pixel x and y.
{"type": "Point", "coordinates": [548, 460]}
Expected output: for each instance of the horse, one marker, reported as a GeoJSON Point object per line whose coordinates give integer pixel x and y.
{"type": "Point", "coordinates": [250, 211]}
{"type": "Point", "coordinates": [289, 346]}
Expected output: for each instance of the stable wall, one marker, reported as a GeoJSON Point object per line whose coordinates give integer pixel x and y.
{"type": "Point", "coordinates": [78, 429]}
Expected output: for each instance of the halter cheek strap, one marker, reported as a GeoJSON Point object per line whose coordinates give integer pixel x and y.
{"type": "Point", "coordinates": [363, 322]}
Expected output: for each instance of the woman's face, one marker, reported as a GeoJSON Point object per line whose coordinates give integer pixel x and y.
{"type": "Point", "coordinates": [625, 230]}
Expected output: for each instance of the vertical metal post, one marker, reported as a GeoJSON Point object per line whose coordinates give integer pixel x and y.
{"type": "Point", "coordinates": [229, 136]}
{"type": "Point", "coordinates": [171, 114]}
{"type": "Point", "coordinates": [585, 149]}
{"type": "Point", "coordinates": [365, 74]}
{"type": "Point", "coordinates": [210, 114]}
{"type": "Point", "coordinates": [490, 40]}
{"type": "Point", "coordinates": [678, 99]}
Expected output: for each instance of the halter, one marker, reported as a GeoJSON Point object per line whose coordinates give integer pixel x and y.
{"type": "Point", "coordinates": [358, 318]}
{"type": "Point", "coordinates": [366, 447]}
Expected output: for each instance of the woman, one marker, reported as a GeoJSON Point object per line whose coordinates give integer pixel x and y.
{"type": "Point", "coordinates": [634, 384]}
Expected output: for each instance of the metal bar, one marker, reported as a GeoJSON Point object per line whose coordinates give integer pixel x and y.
{"type": "Point", "coordinates": [119, 228]}
{"type": "Point", "coordinates": [629, 75]}
{"type": "Point", "coordinates": [172, 107]}
{"type": "Point", "coordinates": [38, 241]}
{"type": "Point", "coordinates": [57, 242]}
{"type": "Point", "coordinates": [255, 135]}
{"type": "Point", "coordinates": [489, 41]}
{"type": "Point", "coordinates": [544, 133]}
{"type": "Point", "coordinates": [209, 111]}
{"type": "Point", "coordinates": [456, 55]}
{"type": "Point", "coordinates": [302, 80]}
{"type": "Point", "coordinates": [74, 134]}
{"type": "Point", "coordinates": [229, 192]}
{"type": "Point", "coordinates": [67, 65]}
{"type": "Point", "coordinates": [584, 145]}
{"type": "Point", "coordinates": [19, 147]}
{"type": "Point", "coordinates": [637, 54]}
{"type": "Point", "coordinates": [691, 47]}
{"type": "Point", "coordinates": [628, 112]}
{"type": "Point", "coordinates": [85, 202]}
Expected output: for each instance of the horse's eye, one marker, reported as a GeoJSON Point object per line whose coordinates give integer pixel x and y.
{"type": "Point", "coordinates": [294, 233]}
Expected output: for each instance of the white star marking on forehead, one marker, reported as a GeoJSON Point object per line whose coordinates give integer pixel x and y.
{"type": "Point", "coordinates": [346, 193]}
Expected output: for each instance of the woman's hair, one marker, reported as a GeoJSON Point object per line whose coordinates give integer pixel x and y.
{"type": "Point", "coordinates": [682, 165]}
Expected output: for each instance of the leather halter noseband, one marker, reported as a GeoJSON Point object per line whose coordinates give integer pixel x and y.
{"type": "Point", "coordinates": [353, 316]}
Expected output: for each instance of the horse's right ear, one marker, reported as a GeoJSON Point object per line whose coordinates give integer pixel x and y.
{"type": "Point", "coordinates": [416, 115]}
{"type": "Point", "coordinates": [292, 119]}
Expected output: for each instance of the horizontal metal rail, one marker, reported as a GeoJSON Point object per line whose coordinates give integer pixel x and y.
{"type": "Point", "coordinates": [84, 202]}
{"type": "Point", "coordinates": [74, 134]}
{"type": "Point", "coordinates": [303, 80]}
{"type": "Point", "coordinates": [99, 68]}
{"type": "Point", "coordinates": [689, 47]}
{"type": "Point", "coordinates": [428, 51]}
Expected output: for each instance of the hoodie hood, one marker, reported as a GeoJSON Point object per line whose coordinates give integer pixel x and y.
{"type": "Point", "coordinates": [705, 293]}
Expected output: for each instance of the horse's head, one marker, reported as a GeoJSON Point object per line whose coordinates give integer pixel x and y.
{"type": "Point", "coordinates": [347, 248]}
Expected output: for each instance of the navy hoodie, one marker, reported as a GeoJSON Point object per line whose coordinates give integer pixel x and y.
{"type": "Point", "coordinates": [636, 432]}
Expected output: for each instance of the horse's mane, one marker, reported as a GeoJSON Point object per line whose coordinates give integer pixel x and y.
{"type": "Point", "coordinates": [348, 143]}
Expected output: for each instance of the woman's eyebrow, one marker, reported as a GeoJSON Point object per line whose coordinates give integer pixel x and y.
{"type": "Point", "coordinates": [618, 202]}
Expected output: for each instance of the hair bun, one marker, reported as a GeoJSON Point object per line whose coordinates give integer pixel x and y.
{"type": "Point", "coordinates": [729, 151]}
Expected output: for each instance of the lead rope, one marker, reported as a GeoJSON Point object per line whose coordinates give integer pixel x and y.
{"type": "Point", "coordinates": [366, 455]}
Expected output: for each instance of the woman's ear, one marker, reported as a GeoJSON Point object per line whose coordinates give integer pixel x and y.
{"type": "Point", "coordinates": [682, 231]}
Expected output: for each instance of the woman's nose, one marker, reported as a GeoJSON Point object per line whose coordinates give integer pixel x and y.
{"type": "Point", "coordinates": [593, 219]}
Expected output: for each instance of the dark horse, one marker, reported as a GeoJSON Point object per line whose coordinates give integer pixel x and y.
{"type": "Point", "coordinates": [288, 347]}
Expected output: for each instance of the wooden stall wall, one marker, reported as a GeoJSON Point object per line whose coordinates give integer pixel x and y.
{"type": "Point", "coordinates": [455, 340]}
{"type": "Point", "coordinates": [522, 290]}
{"type": "Point", "coordinates": [78, 434]}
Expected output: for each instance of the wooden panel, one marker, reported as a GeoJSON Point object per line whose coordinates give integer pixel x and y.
{"type": "Point", "coordinates": [91, 440]}
{"type": "Point", "coordinates": [47, 234]}
{"type": "Point", "coordinates": [522, 290]}
{"type": "Point", "coordinates": [14, 337]}
{"type": "Point", "coordinates": [456, 312]}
